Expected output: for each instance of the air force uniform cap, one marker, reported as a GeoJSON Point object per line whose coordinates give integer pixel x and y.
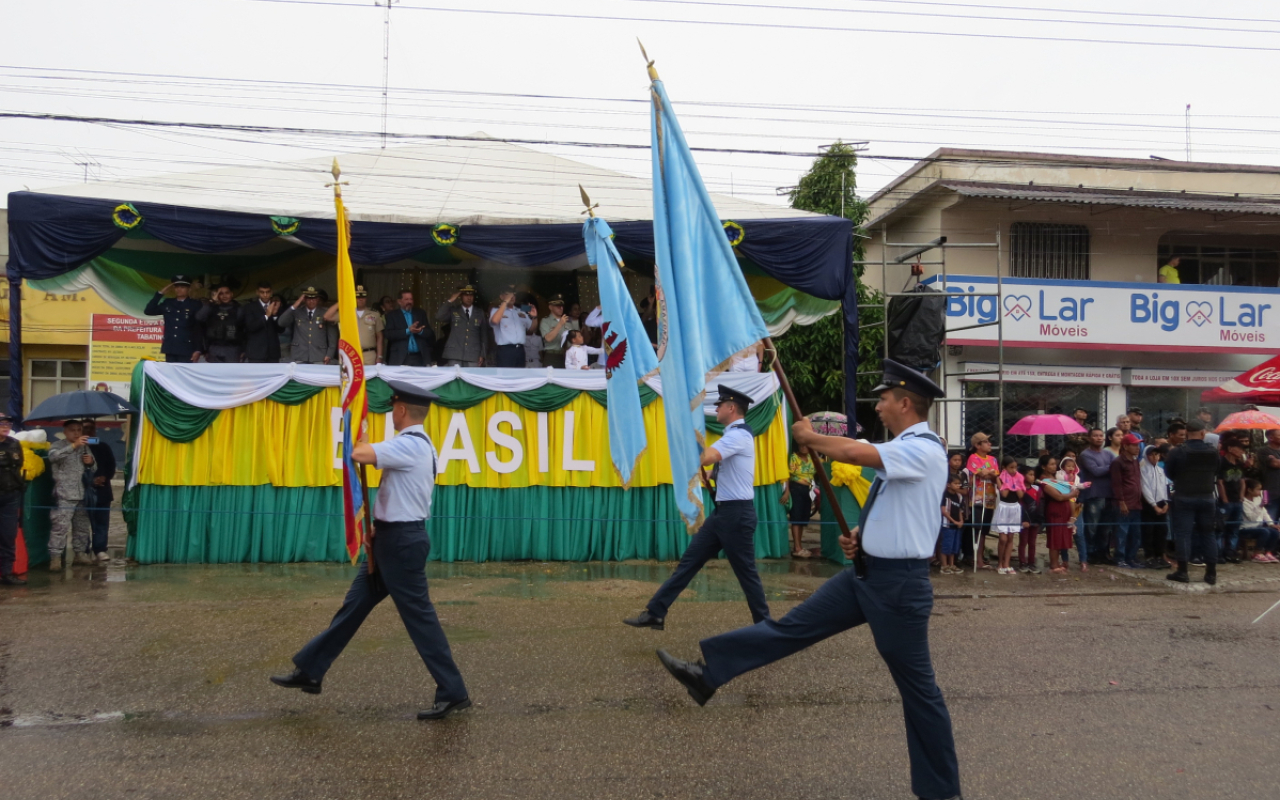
{"type": "Point", "coordinates": [728, 395]}
{"type": "Point", "coordinates": [900, 376]}
{"type": "Point", "coordinates": [408, 393]}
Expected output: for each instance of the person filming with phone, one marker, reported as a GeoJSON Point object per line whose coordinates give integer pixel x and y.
{"type": "Point", "coordinates": [70, 459]}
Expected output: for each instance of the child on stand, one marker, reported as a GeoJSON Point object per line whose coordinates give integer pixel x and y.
{"type": "Point", "coordinates": [952, 522]}
{"type": "Point", "coordinates": [1032, 516]}
{"type": "Point", "coordinates": [1007, 519]}
{"type": "Point", "coordinates": [575, 356]}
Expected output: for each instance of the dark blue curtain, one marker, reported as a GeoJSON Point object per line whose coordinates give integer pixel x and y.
{"type": "Point", "coordinates": [52, 234]}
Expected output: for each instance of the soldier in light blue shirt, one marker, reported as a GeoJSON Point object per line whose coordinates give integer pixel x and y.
{"type": "Point", "coordinates": [400, 547]}
{"type": "Point", "coordinates": [894, 597]}
{"type": "Point", "coordinates": [731, 527]}
{"type": "Point", "coordinates": [510, 324]}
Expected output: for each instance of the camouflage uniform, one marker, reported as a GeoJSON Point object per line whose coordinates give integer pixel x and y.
{"type": "Point", "coordinates": [68, 491]}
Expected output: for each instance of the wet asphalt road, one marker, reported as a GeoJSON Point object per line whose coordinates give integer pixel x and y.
{"type": "Point", "coordinates": [151, 682]}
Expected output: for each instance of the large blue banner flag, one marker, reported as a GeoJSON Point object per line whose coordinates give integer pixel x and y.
{"type": "Point", "coordinates": [629, 356]}
{"type": "Point", "coordinates": [707, 312]}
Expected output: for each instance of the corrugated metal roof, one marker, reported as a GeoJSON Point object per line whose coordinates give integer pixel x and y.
{"type": "Point", "coordinates": [1173, 201]}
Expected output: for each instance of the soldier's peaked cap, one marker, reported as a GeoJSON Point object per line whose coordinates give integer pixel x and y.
{"type": "Point", "coordinates": [181, 280]}
{"type": "Point", "coordinates": [728, 395]}
{"type": "Point", "coordinates": [900, 376]}
{"type": "Point", "coordinates": [413, 395]}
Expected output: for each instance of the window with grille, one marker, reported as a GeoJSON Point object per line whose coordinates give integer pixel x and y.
{"type": "Point", "coordinates": [49, 377]}
{"type": "Point", "coordinates": [1047, 250]}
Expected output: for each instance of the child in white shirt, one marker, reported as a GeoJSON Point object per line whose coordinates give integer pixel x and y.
{"type": "Point", "coordinates": [576, 356]}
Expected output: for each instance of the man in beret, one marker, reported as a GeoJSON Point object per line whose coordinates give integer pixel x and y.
{"type": "Point", "coordinates": [183, 338]}
{"type": "Point", "coordinates": [399, 546]}
{"type": "Point", "coordinates": [223, 327]}
{"type": "Point", "coordinates": [894, 596]}
{"type": "Point", "coordinates": [731, 526]}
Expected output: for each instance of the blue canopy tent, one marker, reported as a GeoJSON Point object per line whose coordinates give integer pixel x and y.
{"type": "Point", "coordinates": [425, 206]}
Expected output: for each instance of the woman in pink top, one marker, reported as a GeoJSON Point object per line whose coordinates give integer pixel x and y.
{"type": "Point", "coordinates": [983, 469]}
{"type": "Point", "coordinates": [1008, 517]}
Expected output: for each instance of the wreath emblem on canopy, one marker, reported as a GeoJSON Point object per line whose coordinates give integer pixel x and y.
{"type": "Point", "coordinates": [284, 226]}
{"type": "Point", "coordinates": [444, 234]}
{"type": "Point", "coordinates": [735, 232]}
{"type": "Point", "coordinates": [126, 217]}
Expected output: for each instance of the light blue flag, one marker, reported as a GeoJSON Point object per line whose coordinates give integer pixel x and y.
{"type": "Point", "coordinates": [629, 356]}
{"type": "Point", "coordinates": [707, 312]}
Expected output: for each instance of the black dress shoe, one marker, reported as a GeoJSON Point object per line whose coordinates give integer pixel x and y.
{"type": "Point", "coordinates": [1210, 577]}
{"type": "Point", "coordinates": [688, 674]}
{"type": "Point", "coordinates": [1180, 576]}
{"type": "Point", "coordinates": [297, 680]}
{"type": "Point", "coordinates": [11, 580]}
{"type": "Point", "coordinates": [646, 620]}
{"type": "Point", "coordinates": [444, 708]}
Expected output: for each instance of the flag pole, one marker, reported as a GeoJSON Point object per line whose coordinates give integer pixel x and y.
{"type": "Point", "coordinates": [823, 479]}
{"type": "Point", "coordinates": [367, 539]}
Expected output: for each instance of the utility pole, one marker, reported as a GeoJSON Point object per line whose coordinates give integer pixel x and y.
{"type": "Point", "coordinates": [1188, 131]}
{"type": "Point", "coordinates": [386, 62]}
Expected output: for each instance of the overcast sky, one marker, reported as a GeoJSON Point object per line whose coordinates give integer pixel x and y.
{"type": "Point", "coordinates": [785, 78]}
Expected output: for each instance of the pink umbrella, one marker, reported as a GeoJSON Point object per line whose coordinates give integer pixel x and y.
{"type": "Point", "coordinates": [1046, 424]}
{"type": "Point", "coordinates": [1248, 420]}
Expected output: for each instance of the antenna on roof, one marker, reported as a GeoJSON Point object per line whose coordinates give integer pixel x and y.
{"type": "Point", "coordinates": [1188, 131]}
{"type": "Point", "coordinates": [386, 62]}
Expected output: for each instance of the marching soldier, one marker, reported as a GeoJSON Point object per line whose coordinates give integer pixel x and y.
{"type": "Point", "coordinates": [183, 339]}
{"type": "Point", "coordinates": [400, 547]}
{"type": "Point", "coordinates": [314, 340]}
{"type": "Point", "coordinates": [467, 333]}
{"type": "Point", "coordinates": [894, 597]}
{"type": "Point", "coordinates": [731, 527]}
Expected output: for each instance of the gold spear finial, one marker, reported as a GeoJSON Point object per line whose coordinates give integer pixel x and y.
{"type": "Point", "coordinates": [648, 62]}
{"type": "Point", "coordinates": [586, 201]}
{"type": "Point", "coordinates": [337, 184]}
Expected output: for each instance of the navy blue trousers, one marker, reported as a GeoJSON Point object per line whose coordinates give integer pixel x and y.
{"type": "Point", "coordinates": [400, 551]}
{"type": "Point", "coordinates": [731, 528]}
{"type": "Point", "coordinates": [98, 506]}
{"type": "Point", "coordinates": [895, 599]}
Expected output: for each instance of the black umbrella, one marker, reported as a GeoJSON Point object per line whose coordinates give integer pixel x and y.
{"type": "Point", "coordinates": [74, 405]}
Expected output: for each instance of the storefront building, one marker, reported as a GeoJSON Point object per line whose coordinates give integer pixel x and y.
{"type": "Point", "coordinates": [1055, 277]}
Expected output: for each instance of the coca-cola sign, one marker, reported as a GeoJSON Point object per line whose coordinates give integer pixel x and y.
{"type": "Point", "coordinates": [1263, 378]}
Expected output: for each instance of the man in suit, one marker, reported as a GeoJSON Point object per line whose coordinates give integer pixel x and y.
{"type": "Point", "coordinates": [314, 340]}
{"type": "Point", "coordinates": [409, 339]}
{"type": "Point", "coordinates": [467, 334]}
{"type": "Point", "coordinates": [261, 317]}
{"type": "Point", "coordinates": [183, 338]}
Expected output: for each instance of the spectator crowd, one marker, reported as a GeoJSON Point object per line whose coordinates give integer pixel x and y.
{"type": "Point", "coordinates": [511, 332]}
{"type": "Point", "coordinates": [1120, 496]}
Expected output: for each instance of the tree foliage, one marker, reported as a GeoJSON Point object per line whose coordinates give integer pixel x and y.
{"type": "Point", "coordinates": [813, 355]}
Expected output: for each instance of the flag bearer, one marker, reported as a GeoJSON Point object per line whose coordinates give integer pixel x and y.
{"type": "Point", "coordinates": [895, 598]}
{"type": "Point", "coordinates": [400, 548]}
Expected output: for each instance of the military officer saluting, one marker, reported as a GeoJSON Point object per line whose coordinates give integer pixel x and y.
{"type": "Point", "coordinates": [731, 527]}
{"type": "Point", "coordinates": [400, 547]}
{"type": "Point", "coordinates": [467, 334]}
{"type": "Point", "coordinates": [183, 338]}
{"type": "Point", "coordinates": [314, 340]}
{"type": "Point", "coordinates": [899, 531]}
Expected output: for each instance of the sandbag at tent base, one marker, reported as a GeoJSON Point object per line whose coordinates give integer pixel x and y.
{"type": "Point", "coordinates": [253, 524]}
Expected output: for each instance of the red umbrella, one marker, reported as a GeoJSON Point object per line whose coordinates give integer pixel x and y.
{"type": "Point", "coordinates": [1260, 386]}
{"type": "Point", "coordinates": [1046, 424]}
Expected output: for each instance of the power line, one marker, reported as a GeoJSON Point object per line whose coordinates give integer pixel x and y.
{"type": "Point", "coordinates": [784, 26]}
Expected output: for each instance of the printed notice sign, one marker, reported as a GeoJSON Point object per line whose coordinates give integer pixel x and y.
{"type": "Point", "coordinates": [116, 344]}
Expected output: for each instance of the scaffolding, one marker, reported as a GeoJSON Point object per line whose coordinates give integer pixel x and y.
{"type": "Point", "coordinates": [941, 374]}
